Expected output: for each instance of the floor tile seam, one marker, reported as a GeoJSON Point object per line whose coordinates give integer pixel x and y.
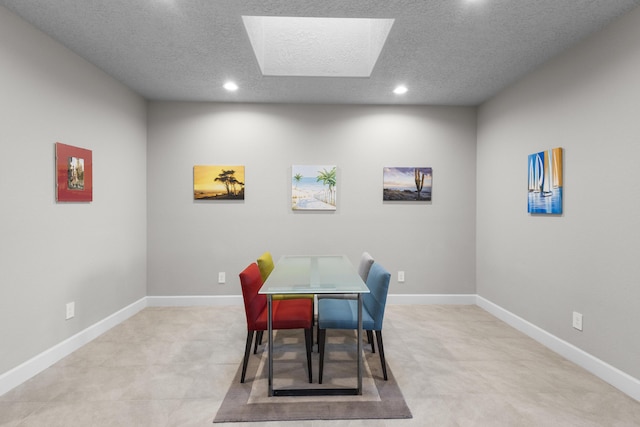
{"type": "Point", "coordinates": [197, 340]}
{"type": "Point", "coordinates": [148, 343]}
{"type": "Point", "coordinates": [462, 395]}
{"type": "Point", "coordinates": [31, 415]}
{"type": "Point", "coordinates": [31, 411]}
{"type": "Point", "coordinates": [144, 366]}
{"type": "Point", "coordinates": [136, 340]}
{"type": "Point", "coordinates": [546, 385]}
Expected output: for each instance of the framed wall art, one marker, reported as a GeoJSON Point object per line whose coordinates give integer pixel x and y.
{"type": "Point", "coordinates": [218, 182]}
{"type": "Point", "coordinates": [407, 184]}
{"type": "Point", "coordinates": [313, 187]}
{"type": "Point", "coordinates": [545, 182]}
{"type": "Point", "coordinates": [74, 174]}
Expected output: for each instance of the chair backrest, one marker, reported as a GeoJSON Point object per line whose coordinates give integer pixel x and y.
{"type": "Point", "coordinates": [366, 261]}
{"type": "Point", "coordinates": [265, 264]}
{"type": "Point", "coordinates": [376, 300]}
{"type": "Point", "coordinates": [254, 303]}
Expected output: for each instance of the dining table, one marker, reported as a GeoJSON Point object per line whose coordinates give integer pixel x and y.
{"type": "Point", "coordinates": [314, 274]}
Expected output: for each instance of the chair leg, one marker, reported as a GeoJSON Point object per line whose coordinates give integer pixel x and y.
{"type": "Point", "coordinates": [258, 341]}
{"type": "Point", "coordinates": [313, 321]}
{"type": "Point", "coordinates": [381, 351]}
{"type": "Point", "coordinates": [308, 339]}
{"type": "Point", "coordinates": [247, 349]}
{"type": "Point", "coordinates": [370, 339]}
{"type": "Point", "coordinates": [317, 333]}
{"type": "Point", "coordinates": [322, 334]}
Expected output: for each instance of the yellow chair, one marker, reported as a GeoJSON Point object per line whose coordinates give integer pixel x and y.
{"type": "Point", "coordinates": [266, 265]}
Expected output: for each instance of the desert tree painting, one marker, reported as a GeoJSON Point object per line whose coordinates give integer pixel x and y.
{"type": "Point", "coordinates": [545, 182]}
{"type": "Point", "coordinates": [218, 182]}
{"type": "Point", "coordinates": [313, 187]}
{"type": "Point", "coordinates": [407, 184]}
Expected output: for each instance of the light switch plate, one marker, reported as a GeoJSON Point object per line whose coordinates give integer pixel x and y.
{"type": "Point", "coordinates": [400, 276]}
{"type": "Point", "coordinates": [71, 310]}
{"type": "Point", "coordinates": [577, 320]}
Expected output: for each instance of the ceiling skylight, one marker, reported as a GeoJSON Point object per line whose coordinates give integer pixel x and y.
{"type": "Point", "coordinates": [316, 47]}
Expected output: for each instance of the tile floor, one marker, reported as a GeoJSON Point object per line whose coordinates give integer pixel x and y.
{"type": "Point", "coordinates": [456, 366]}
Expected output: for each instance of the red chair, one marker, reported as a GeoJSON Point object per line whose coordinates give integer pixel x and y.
{"type": "Point", "coordinates": [287, 314]}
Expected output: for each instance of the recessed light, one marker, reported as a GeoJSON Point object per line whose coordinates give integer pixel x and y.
{"type": "Point", "coordinates": [400, 90]}
{"type": "Point", "coordinates": [230, 86]}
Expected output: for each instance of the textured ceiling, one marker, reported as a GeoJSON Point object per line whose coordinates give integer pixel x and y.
{"type": "Point", "coordinates": [447, 52]}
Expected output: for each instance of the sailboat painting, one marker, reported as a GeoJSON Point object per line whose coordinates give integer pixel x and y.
{"type": "Point", "coordinates": [545, 182]}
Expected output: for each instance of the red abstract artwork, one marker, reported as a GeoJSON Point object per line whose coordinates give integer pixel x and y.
{"type": "Point", "coordinates": [74, 167]}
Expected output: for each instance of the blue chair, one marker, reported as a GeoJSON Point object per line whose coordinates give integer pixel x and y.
{"type": "Point", "coordinates": [366, 261]}
{"type": "Point", "coordinates": [343, 313]}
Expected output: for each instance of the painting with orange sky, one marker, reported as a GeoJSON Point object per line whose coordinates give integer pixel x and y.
{"type": "Point", "coordinates": [218, 182]}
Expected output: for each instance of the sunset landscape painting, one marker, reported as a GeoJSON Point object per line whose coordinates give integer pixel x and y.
{"type": "Point", "coordinates": [406, 184]}
{"type": "Point", "coordinates": [218, 182]}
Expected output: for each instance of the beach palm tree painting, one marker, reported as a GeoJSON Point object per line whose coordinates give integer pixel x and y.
{"type": "Point", "coordinates": [218, 182]}
{"type": "Point", "coordinates": [545, 182]}
{"type": "Point", "coordinates": [407, 184]}
{"type": "Point", "coordinates": [313, 187]}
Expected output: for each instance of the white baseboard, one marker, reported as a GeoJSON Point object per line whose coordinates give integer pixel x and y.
{"type": "Point", "coordinates": [193, 300]}
{"type": "Point", "coordinates": [620, 380]}
{"type": "Point", "coordinates": [42, 361]}
{"type": "Point", "coordinates": [405, 299]}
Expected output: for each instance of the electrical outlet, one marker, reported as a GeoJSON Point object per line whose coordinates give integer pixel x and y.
{"type": "Point", "coordinates": [71, 310]}
{"type": "Point", "coordinates": [221, 277]}
{"type": "Point", "coordinates": [577, 320]}
{"type": "Point", "coordinates": [400, 276]}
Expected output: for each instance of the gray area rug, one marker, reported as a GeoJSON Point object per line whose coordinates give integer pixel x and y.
{"type": "Point", "coordinates": [250, 402]}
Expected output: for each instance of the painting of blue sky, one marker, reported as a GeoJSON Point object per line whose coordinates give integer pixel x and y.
{"type": "Point", "coordinates": [409, 184]}
{"type": "Point", "coordinates": [313, 187]}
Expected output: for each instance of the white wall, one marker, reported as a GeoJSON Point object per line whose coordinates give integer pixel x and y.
{"type": "Point", "coordinates": [53, 253]}
{"type": "Point", "coordinates": [542, 268]}
{"type": "Point", "coordinates": [191, 241]}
